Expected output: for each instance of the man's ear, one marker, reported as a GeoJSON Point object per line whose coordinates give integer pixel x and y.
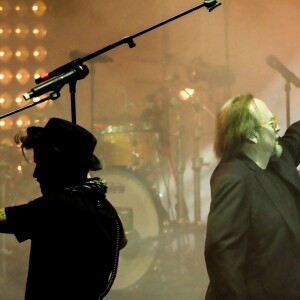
{"type": "Point", "coordinates": [252, 137]}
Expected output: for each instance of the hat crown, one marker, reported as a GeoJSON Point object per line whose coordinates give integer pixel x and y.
{"type": "Point", "coordinates": [68, 139]}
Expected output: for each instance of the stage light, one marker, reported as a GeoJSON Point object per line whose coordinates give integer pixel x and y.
{"type": "Point", "coordinates": [40, 53]}
{"type": "Point", "coordinates": [5, 76]}
{"type": "Point", "coordinates": [5, 54]}
{"type": "Point", "coordinates": [5, 100]}
{"type": "Point", "coordinates": [186, 94]}
{"type": "Point", "coordinates": [22, 76]}
{"type": "Point", "coordinates": [4, 8]}
{"type": "Point", "coordinates": [21, 9]}
{"type": "Point", "coordinates": [23, 121]}
{"type": "Point", "coordinates": [6, 123]}
{"type": "Point", "coordinates": [21, 31]}
{"type": "Point", "coordinates": [39, 31]}
{"type": "Point", "coordinates": [39, 8]}
{"type": "Point", "coordinates": [5, 31]}
{"type": "Point", "coordinates": [40, 105]}
{"type": "Point", "coordinates": [22, 53]}
{"type": "Point", "coordinates": [38, 73]}
{"type": "Point", "coordinates": [22, 35]}
{"type": "Point", "coordinates": [19, 99]}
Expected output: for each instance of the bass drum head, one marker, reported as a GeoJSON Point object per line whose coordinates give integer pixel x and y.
{"type": "Point", "coordinates": [143, 218]}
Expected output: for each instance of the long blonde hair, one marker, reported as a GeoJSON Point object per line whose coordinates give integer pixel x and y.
{"type": "Point", "coordinates": [234, 122]}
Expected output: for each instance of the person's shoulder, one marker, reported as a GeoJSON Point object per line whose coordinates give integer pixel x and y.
{"type": "Point", "coordinates": [234, 168]}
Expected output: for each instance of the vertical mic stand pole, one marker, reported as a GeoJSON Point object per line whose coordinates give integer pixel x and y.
{"type": "Point", "coordinates": [92, 84]}
{"type": "Point", "coordinates": [72, 88]}
{"type": "Point", "coordinates": [288, 91]}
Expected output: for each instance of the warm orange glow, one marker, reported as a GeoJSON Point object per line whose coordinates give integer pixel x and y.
{"type": "Point", "coordinates": [186, 94]}
{"type": "Point", "coordinates": [39, 31]}
{"type": "Point", "coordinates": [22, 53]}
{"type": "Point", "coordinates": [21, 31]}
{"type": "Point", "coordinates": [22, 76]}
{"type": "Point", "coordinates": [5, 54]}
{"type": "Point", "coordinates": [5, 31]}
{"type": "Point", "coordinates": [40, 53]}
{"type": "Point", "coordinates": [39, 8]}
{"type": "Point", "coordinates": [23, 121]}
{"type": "Point", "coordinates": [21, 9]}
{"type": "Point", "coordinates": [5, 76]}
{"type": "Point", "coordinates": [5, 100]}
{"type": "Point", "coordinates": [19, 100]}
{"type": "Point", "coordinates": [6, 124]}
{"type": "Point", "coordinates": [38, 73]}
{"type": "Point", "coordinates": [4, 8]}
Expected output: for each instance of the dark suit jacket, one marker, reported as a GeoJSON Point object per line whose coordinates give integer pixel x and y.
{"type": "Point", "coordinates": [252, 247]}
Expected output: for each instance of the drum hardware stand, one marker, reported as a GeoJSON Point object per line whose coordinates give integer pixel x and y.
{"type": "Point", "coordinates": [287, 91]}
{"type": "Point", "coordinates": [4, 175]}
{"type": "Point", "coordinates": [289, 77]}
{"type": "Point", "coordinates": [197, 163]}
{"type": "Point", "coordinates": [182, 223]}
{"type": "Point", "coordinates": [181, 208]}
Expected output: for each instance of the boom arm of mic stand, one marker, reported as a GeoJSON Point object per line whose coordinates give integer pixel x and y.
{"type": "Point", "coordinates": [52, 96]}
{"type": "Point", "coordinates": [209, 4]}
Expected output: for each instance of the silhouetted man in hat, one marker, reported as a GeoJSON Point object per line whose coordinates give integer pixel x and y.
{"type": "Point", "coordinates": [75, 232]}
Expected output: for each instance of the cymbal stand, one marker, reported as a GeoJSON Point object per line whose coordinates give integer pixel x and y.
{"type": "Point", "coordinates": [181, 208]}
{"type": "Point", "coordinates": [181, 223]}
{"type": "Point", "coordinates": [197, 163]}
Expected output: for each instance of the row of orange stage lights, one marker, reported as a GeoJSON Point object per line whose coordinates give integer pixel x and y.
{"type": "Point", "coordinates": [22, 31]}
{"type": "Point", "coordinates": [7, 101]}
{"type": "Point", "coordinates": [22, 8]}
{"type": "Point", "coordinates": [9, 127]}
{"type": "Point", "coordinates": [21, 76]}
{"type": "Point", "coordinates": [22, 53]}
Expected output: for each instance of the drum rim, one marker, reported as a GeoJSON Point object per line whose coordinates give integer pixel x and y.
{"type": "Point", "coordinates": [162, 218]}
{"type": "Point", "coordinates": [130, 127]}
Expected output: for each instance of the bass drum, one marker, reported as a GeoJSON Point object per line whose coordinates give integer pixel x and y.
{"type": "Point", "coordinates": [144, 220]}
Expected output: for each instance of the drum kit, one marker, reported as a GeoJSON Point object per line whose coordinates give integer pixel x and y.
{"type": "Point", "coordinates": [130, 155]}
{"type": "Point", "coordinates": [135, 160]}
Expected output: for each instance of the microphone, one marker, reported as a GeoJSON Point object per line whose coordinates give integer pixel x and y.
{"type": "Point", "coordinates": [79, 72]}
{"type": "Point", "coordinates": [58, 71]}
{"type": "Point", "coordinates": [274, 63]}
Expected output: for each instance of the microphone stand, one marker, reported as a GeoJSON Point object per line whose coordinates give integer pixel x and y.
{"type": "Point", "coordinates": [52, 96]}
{"type": "Point", "coordinates": [210, 5]}
{"type": "Point", "coordinates": [72, 89]}
{"type": "Point", "coordinates": [287, 89]}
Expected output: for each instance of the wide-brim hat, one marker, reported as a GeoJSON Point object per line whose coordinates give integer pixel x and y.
{"type": "Point", "coordinates": [68, 139]}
